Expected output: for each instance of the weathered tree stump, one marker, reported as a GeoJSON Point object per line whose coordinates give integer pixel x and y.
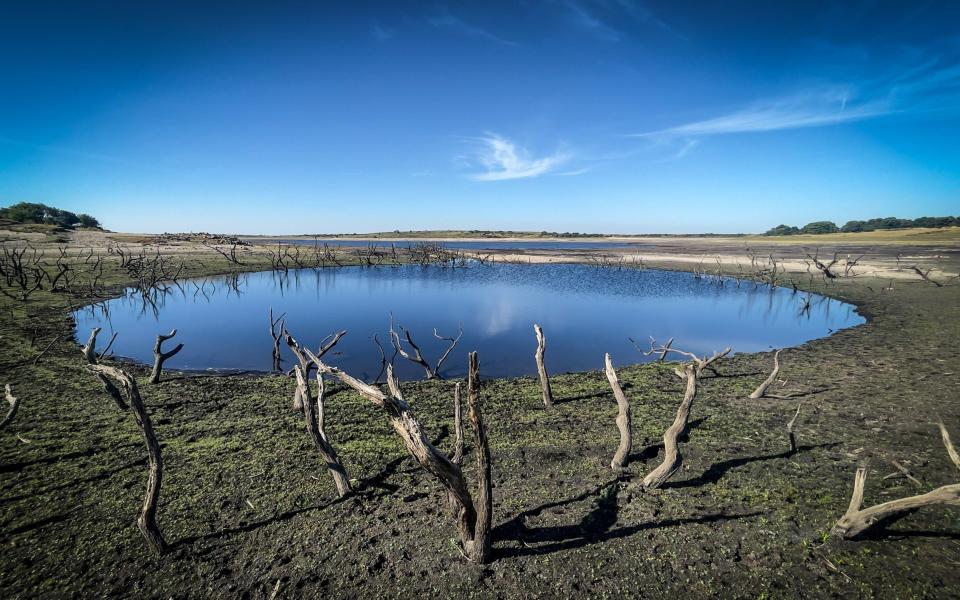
{"type": "Point", "coordinates": [624, 420]}
{"type": "Point", "coordinates": [546, 392]}
{"type": "Point", "coordinates": [762, 388]}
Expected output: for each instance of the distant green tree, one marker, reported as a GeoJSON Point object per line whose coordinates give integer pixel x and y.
{"type": "Point", "coordinates": [783, 230]}
{"type": "Point", "coordinates": [853, 227]}
{"type": "Point", "coordinates": [86, 220]}
{"type": "Point", "coordinates": [820, 227]}
{"type": "Point", "coordinates": [31, 212]}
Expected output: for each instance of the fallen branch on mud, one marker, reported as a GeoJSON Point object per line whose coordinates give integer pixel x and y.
{"type": "Point", "coordinates": [857, 519]}
{"type": "Point", "coordinates": [315, 428]}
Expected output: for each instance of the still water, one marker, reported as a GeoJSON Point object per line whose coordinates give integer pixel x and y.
{"type": "Point", "coordinates": [584, 311]}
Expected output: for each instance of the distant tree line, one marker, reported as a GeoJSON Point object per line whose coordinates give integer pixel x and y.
{"type": "Point", "coordinates": [870, 225]}
{"type": "Point", "coordinates": [30, 212]}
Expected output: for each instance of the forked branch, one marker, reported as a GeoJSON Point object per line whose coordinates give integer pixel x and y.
{"type": "Point", "coordinates": [433, 372]}
{"type": "Point", "coordinates": [159, 356]}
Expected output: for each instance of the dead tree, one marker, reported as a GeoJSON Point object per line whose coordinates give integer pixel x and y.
{"type": "Point", "coordinates": [824, 268]}
{"type": "Point", "coordinates": [926, 276]}
{"type": "Point", "coordinates": [473, 520]}
{"type": "Point", "coordinates": [858, 519]}
{"type": "Point", "coordinates": [276, 334]}
{"type": "Point", "coordinates": [14, 405]}
{"type": "Point", "coordinates": [159, 356]}
{"type": "Point", "coordinates": [147, 522]}
{"type": "Point", "coordinates": [624, 421]}
{"type": "Point", "coordinates": [433, 372]}
{"type": "Point", "coordinates": [541, 368]}
{"type": "Point", "coordinates": [672, 458]}
{"type": "Point", "coordinates": [762, 388]}
{"type": "Point", "coordinates": [89, 352]}
{"type": "Point", "coordinates": [306, 365]}
{"type": "Point", "coordinates": [457, 456]}
{"type": "Point", "coordinates": [315, 428]}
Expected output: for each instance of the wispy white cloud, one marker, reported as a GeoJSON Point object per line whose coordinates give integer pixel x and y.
{"type": "Point", "coordinates": [583, 17]}
{"type": "Point", "coordinates": [502, 159]}
{"type": "Point", "coordinates": [450, 21]}
{"type": "Point", "coordinates": [380, 33]}
{"type": "Point", "coordinates": [825, 107]}
{"type": "Point", "coordinates": [596, 16]}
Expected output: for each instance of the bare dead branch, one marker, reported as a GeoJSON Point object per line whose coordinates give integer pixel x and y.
{"type": "Point", "coordinates": [762, 388]}
{"type": "Point", "coordinates": [147, 522]}
{"type": "Point", "coordinates": [159, 356]}
{"type": "Point", "coordinates": [478, 549]}
{"type": "Point", "coordinates": [453, 344]}
{"type": "Point", "coordinates": [546, 392]}
{"type": "Point", "coordinates": [624, 420]}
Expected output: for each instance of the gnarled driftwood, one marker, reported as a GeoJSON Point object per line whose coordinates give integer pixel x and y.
{"type": "Point", "coordinates": [858, 520]}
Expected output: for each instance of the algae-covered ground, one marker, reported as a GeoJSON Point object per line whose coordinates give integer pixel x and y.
{"type": "Point", "coordinates": [250, 509]}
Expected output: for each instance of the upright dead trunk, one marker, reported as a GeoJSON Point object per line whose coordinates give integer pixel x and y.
{"type": "Point", "coordinates": [541, 368]}
{"type": "Point", "coordinates": [672, 459]}
{"type": "Point", "coordinates": [478, 549]}
{"type": "Point", "coordinates": [148, 514]}
{"type": "Point", "coordinates": [14, 405]}
{"type": "Point", "coordinates": [316, 431]}
{"type": "Point", "coordinates": [159, 356]}
{"type": "Point", "coordinates": [624, 421]}
{"type": "Point", "coordinates": [762, 388]}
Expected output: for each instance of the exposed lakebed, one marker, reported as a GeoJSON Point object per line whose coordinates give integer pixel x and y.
{"type": "Point", "coordinates": [585, 311]}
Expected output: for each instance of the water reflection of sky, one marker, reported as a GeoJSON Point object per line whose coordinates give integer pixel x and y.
{"type": "Point", "coordinates": [585, 311]}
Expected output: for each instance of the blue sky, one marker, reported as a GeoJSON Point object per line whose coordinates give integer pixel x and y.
{"type": "Point", "coordinates": [568, 115]}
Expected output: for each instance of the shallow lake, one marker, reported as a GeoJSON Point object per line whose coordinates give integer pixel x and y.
{"type": "Point", "coordinates": [585, 311]}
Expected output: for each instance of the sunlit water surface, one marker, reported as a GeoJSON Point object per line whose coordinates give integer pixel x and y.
{"type": "Point", "coordinates": [585, 311]}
